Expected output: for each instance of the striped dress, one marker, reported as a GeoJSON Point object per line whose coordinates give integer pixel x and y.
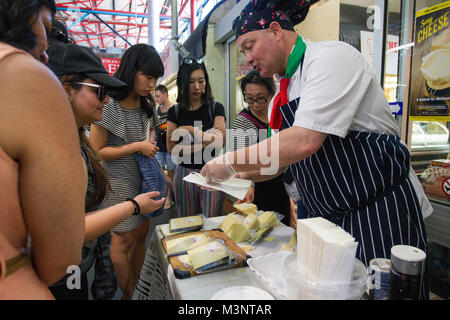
{"type": "Point", "coordinates": [124, 127]}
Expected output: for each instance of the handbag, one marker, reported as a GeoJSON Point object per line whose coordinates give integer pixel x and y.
{"type": "Point", "coordinates": [152, 177]}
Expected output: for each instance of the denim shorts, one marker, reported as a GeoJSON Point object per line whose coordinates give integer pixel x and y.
{"type": "Point", "coordinates": [164, 159]}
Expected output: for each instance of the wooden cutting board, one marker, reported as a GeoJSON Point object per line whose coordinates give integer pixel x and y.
{"type": "Point", "coordinates": [182, 271]}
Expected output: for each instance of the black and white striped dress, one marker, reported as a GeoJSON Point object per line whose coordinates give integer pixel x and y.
{"type": "Point", "coordinates": [124, 127]}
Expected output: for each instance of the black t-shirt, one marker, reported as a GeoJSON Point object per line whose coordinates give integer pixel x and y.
{"type": "Point", "coordinates": [187, 118]}
{"type": "Point", "coordinates": [161, 131]}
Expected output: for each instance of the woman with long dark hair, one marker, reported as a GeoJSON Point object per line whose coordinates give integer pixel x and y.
{"type": "Point", "coordinates": [117, 137]}
{"type": "Point", "coordinates": [86, 82]}
{"type": "Point", "coordinates": [200, 121]}
{"type": "Point", "coordinates": [42, 174]}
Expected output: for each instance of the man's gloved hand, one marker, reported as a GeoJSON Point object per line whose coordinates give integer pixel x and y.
{"type": "Point", "coordinates": [218, 169]}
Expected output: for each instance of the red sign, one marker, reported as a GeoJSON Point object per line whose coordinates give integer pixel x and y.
{"type": "Point", "coordinates": [446, 187]}
{"type": "Point", "coordinates": [111, 65]}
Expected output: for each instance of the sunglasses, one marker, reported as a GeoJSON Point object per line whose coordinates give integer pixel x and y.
{"type": "Point", "coordinates": [101, 92]}
{"type": "Point", "coordinates": [192, 60]}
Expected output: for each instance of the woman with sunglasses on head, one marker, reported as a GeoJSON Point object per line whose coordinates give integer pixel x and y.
{"type": "Point", "coordinates": [117, 137]}
{"type": "Point", "coordinates": [250, 127]}
{"type": "Point", "coordinates": [42, 175]}
{"type": "Point", "coordinates": [85, 81]}
{"type": "Point", "coordinates": [199, 121]}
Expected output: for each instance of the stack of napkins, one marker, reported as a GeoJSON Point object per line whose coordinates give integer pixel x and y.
{"type": "Point", "coordinates": [325, 252]}
{"type": "Point", "coordinates": [235, 187]}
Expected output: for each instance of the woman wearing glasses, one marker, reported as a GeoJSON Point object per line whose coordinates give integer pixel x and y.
{"type": "Point", "coordinates": [85, 81]}
{"type": "Point", "coordinates": [117, 137]}
{"type": "Point", "coordinates": [200, 121]}
{"type": "Point", "coordinates": [251, 127]}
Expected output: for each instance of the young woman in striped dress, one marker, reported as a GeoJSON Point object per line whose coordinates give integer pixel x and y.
{"type": "Point", "coordinates": [117, 137]}
{"type": "Point", "coordinates": [201, 121]}
{"type": "Point", "coordinates": [85, 81]}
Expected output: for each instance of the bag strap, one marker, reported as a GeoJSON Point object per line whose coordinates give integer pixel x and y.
{"type": "Point", "coordinates": [147, 132]}
{"type": "Point", "coordinates": [212, 111]}
{"type": "Point", "coordinates": [249, 117]}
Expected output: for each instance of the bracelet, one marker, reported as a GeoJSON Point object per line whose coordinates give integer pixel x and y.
{"type": "Point", "coordinates": [137, 209]}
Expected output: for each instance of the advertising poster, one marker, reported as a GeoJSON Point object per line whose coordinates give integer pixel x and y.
{"type": "Point", "coordinates": [111, 65]}
{"type": "Point", "coordinates": [430, 72]}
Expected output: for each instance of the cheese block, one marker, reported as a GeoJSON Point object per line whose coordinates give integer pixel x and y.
{"type": "Point", "coordinates": [239, 232]}
{"type": "Point", "coordinates": [185, 223]}
{"type": "Point", "coordinates": [208, 253]}
{"type": "Point", "coordinates": [261, 232]}
{"type": "Point", "coordinates": [184, 259]}
{"type": "Point", "coordinates": [293, 240]}
{"type": "Point", "coordinates": [246, 208]}
{"type": "Point", "coordinates": [182, 244]}
{"type": "Point", "coordinates": [286, 247]}
{"type": "Point", "coordinates": [251, 222]}
{"type": "Point", "coordinates": [228, 223]}
{"type": "Point", "coordinates": [268, 219]}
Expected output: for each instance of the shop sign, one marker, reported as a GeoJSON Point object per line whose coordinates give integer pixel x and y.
{"type": "Point", "coordinates": [391, 54]}
{"type": "Point", "coordinates": [430, 83]}
{"type": "Point", "coordinates": [111, 65]}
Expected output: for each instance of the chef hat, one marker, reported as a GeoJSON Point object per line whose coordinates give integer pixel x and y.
{"type": "Point", "coordinates": [258, 14]}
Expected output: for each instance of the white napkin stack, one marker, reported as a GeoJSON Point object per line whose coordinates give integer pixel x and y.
{"type": "Point", "coordinates": [236, 187]}
{"type": "Point", "coordinates": [325, 252]}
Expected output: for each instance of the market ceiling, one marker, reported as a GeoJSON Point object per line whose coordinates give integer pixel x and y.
{"type": "Point", "coordinates": [121, 23]}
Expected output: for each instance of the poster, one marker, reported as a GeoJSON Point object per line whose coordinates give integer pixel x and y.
{"type": "Point", "coordinates": [111, 65]}
{"type": "Point", "coordinates": [430, 72]}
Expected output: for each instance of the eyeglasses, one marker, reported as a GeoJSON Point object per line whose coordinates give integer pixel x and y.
{"type": "Point", "coordinates": [260, 100]}
{"type": "Point", "coordinates": [101, 92]}
{"type": "Point", "coordinates": [192, 60]}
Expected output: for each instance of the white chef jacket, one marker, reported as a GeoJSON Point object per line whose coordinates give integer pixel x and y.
{"type": "Point", "coordinates": [339, 92]}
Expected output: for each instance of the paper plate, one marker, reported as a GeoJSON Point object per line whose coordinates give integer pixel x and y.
{"type": "Point", "coordinates": [242, 293]}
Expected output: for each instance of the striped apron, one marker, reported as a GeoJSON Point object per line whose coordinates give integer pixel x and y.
{"type": "Point", "coordinates": [361, 183]}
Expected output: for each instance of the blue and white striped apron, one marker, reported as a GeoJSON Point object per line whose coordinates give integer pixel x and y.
{"type": "Point", "coordinates": [361, 183]}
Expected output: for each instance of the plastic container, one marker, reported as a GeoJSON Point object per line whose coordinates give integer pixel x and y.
{"type": "Point", "coordinates": [299, 288]}
{"type": "Point", "coordinates": [267, 272]}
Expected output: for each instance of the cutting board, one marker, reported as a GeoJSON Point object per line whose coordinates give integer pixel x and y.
{"type": "Point", "coordinates": [182, 271]}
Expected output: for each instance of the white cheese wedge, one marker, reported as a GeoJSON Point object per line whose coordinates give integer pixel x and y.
{"type": "Point", "coordinates": [227, 223]}
{"type": "Point", "coordinates": [268, 219]}
{"type": "Point", "coordinates": [239, 233]}
{"type": "Point", "coordinates": [246, 208]}
{"type": "Point", "coordinates": [184, 243]}
{"type": "Point", "coordinates": [207, 253]}
{"type": "Point", "coordinates": [251, 222]}
{"type": "Point", "coordinates": [185, 222]}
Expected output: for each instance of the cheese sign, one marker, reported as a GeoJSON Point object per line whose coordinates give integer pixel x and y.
{"type": "Point", "coordinates": [446, 187]}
